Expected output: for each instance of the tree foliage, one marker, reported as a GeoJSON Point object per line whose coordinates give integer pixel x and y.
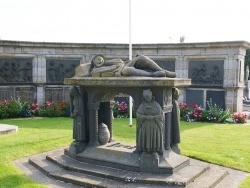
{"type": "Point", "coordinates": [247, 58]}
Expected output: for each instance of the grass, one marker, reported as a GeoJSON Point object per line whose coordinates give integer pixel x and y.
{"type": "Point", "coordinates": [34, 136]}
{"type": "Point", "coordinates": [223, 144]}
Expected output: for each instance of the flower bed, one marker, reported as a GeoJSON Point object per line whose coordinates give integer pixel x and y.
{"type": "Point", "coordinates": [16, 109]}
{"type": "Point", "coordinates": [213, 113]}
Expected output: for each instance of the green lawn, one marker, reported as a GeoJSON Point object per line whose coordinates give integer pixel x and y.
{"type": "Point", "coordinates": [224, 144]}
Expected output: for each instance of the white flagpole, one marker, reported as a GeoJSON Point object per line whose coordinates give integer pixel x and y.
{"type": "Point", "coordinates": [130, 43]}
{"type": "Point", "coordinates": [130, 58]}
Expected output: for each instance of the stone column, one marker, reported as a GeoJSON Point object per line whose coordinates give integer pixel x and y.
{"type": "Point", "coordinates": [109, 117]}
{"type": "Point", "coordinates": [167, 130]}
{"type": "Point", "coordinates": [93, 123]}
{"type": "Point", "coordinates": [167, 109]}
{"type": "Point", "coordinates": [106, 115]}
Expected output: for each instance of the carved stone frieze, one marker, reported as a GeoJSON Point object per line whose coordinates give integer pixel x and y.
{"type": "Point", "coordinates": [15, 70]}
{"type": "Point", "coordinates": [57, 70]}
{"type": "Point", "coordinates": [206, 72]}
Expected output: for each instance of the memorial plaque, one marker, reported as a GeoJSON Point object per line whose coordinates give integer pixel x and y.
{"type": "Point", "coordinates": [25, 93]}
{"type": "Point", "coordinates": [57, 70]}
{"type": "Point", "coordinates": [15, 70]}
{"type": "Point", "coordinates": [217, 97]}
{"type": "Point", "coordinates": [206, 72]}
{"type": "Point", "coordinates": [166, 64]}
{"type": "Point", "coordinates": [54, 94]}
{"type": "Point", "coordinates": [195, 97]}
{"type": "Point", "coordinates": [7, 93]}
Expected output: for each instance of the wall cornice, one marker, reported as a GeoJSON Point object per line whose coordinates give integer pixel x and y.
{"type": "Point", "coordinates": [224, 44]}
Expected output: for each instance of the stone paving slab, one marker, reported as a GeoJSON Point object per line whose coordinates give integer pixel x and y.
{"type": "Point", "coordinates": [236, 176]}
{"type": "Point", "coordinates": [6, 129]}
{"type": "Point", "coordinates": [40, 177]}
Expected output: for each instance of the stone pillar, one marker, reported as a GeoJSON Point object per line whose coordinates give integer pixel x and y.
{"type": "Point", "coordinates": [39, 69]}
{"type": "Point", "coordinates": [93, 123]}
{"type": "Point", "coordinates": [110, 119]}
{"type": "Point", "coordinates": [181, 66]}
{"type": "Point", "coordinates": [234, 82]}
{"type": "Point", "coordinates": [106, 115]}
{"type": "Point", "coordinates": [40, 94]}
{"type": "Point", "coordinates": [39, 77]}
{"type": "Point", "coordinates": [238, 100]}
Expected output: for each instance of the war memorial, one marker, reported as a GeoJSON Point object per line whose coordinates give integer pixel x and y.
{"type": "Point", "coordinates": [89, 76]}
{"type": "Point", "coordinates": [35, 71]}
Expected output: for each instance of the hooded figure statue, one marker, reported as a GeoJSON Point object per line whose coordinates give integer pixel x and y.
{"type": "Point", "coordinates": [77, 113]}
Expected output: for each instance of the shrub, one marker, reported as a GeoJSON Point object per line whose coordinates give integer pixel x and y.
{"type": "Point", "coordinates": [33, 107]}
{"type": "Point", "coordinates": [14, 109]}
{"type": "Point", "coordinates": [65, 108]}
{"type": "Point", "coordinates": [3, 109]}
{"type": "Point", "coordinates": [216, 114]}
{"type": "Point", "coordinates": [213, 114]}
{"type": "Point", "coordinates": [190, 113]}
{"type": "Point", "coordinates": [121, 110]}
{"type": "Point", "coordinates": [53, 109]}
{"type": "Point", "coordinates": [240, 117]}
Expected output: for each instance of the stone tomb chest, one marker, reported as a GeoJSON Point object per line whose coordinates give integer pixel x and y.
{"type": "Point", "coordinates": [98, 94]}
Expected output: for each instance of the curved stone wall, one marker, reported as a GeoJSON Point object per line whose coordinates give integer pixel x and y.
{"type": "Point", "coordinates": [36, 70]}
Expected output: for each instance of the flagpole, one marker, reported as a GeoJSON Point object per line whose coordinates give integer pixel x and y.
{"type": "Point", "coordinates": [130, 42]}
{"type": "Point", "coordinates": [130, 58]}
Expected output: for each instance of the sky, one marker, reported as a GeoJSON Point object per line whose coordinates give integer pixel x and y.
{"type": "Point", "coordinates": [107, 21]}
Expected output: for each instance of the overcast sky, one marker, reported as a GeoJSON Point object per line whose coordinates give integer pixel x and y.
{"type": "Point", "coordinates": [107, 21]}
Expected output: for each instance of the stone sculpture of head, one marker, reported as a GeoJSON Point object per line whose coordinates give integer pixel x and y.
{"type": "Point", "coordinates": [73, 91]}
{"type": "Point", "coordinates": [175, 93]}
{"type": "Point", "coordinates": [98, 61]}
{"type": "Point", "coordinates": [147, 95]}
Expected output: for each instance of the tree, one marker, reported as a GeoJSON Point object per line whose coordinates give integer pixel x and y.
{"type": "Point", "coordinates": [247, 60]}
{"type": "Point", "coordinates": [182, 39]}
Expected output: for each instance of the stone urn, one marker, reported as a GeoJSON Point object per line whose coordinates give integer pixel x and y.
{"type": "Point", "coordinates": [103, 134]}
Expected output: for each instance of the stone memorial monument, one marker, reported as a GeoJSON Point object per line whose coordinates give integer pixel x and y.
{"type": "Point", "coordinates": [154, 92]}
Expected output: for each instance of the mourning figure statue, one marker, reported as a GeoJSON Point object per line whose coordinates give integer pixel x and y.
{"type": "Point", "coordinates": [175, 128]}
{"type": "Point", "coordinates": [149, 125]}
{"type": "Point", "coordinates": [77, 113]}
{"type": "Point", "coordinates": [139, 66]}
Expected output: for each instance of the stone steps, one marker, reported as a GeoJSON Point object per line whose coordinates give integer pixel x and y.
{"type": "Point", "coordinates": [58, 173]}
{"type": "Point", "coordinates": [182, 177]}
{"type": "Point", "coordinates": [67, 169]}
{"type": "Point", "coordinates": [230, 181]}
{"type": "Point", "coordinates": [209, 179]}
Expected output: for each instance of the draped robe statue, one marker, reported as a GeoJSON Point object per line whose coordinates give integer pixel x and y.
{"type": "Point", "coordinates": [77, 113]}
{"type": "Point", "coordinates": [175, 129]}
{"type": "Point", "coordinates": [149, 125]}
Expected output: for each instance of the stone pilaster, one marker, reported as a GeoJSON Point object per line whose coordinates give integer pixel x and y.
{"type": "Point", "coordinates": [39, 69]}
{"type": "Point", "coordinates": [181, 66]}
{"type": "Point", "coordinates": [40, 94]}
{"type": "Point", "coordinates": [39, 77]}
